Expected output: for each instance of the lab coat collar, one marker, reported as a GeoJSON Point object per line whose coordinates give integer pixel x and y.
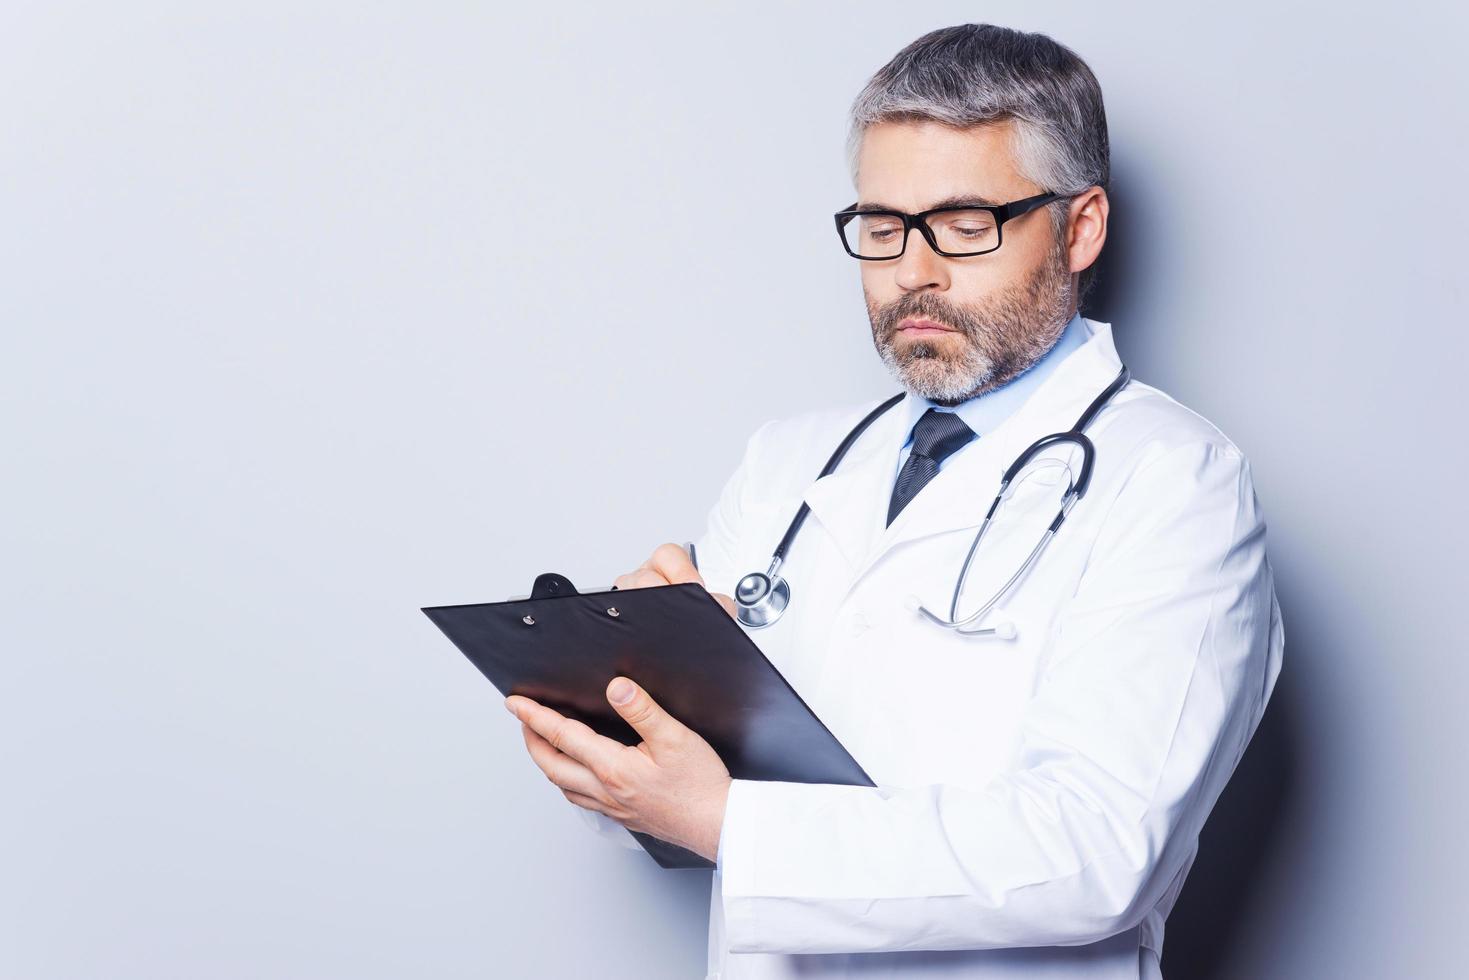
{"type": "Point", "coordinates": [851, 503]}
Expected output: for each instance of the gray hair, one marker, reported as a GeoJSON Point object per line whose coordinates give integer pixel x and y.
{"type": "Point", "coordinates": [975, 74]}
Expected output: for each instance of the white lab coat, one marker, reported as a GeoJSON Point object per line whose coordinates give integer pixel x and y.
{"type": "Point", "coordinates": [1038, 800]}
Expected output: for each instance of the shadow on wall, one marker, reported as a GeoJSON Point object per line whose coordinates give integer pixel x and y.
{"type": "Point", "coordinates": [1243, 834]}
{"type": "Point", "coordinates": [1239, 841]}
{"type": "Point", "coordinates": [1117, 259]}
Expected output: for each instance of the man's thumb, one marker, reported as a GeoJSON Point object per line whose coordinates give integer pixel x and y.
{"type": "Point", "coordinates": [727, 603]}
{"type": "Point", "coordinates": [641, 711]}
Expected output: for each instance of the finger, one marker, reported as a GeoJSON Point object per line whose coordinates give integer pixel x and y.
{"type": "Point", "coordinates": [568, 735]}
{"type": "Point", "coordinates": [559, 767]}
{"type": "Point", "coordinates": [726, 602]}
{"type": "Point", "coordinates": [642, 578]}
{"type": "Point", "coordinates": [673, 563]}
{"type": "Point", "coordinates": [656, 726]}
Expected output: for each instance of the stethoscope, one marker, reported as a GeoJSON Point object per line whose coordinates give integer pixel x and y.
{"type": "Point", "coordinates": [761, 597]}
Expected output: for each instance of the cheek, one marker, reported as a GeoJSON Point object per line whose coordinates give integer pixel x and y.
{"type": "Point", "coordinates": [1029, 250]}
{"type": "Point", "coordinates": [978, 280]}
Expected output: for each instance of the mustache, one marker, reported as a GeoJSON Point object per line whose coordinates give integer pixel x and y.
{"type": "Point", "coordinates": [889, 318]}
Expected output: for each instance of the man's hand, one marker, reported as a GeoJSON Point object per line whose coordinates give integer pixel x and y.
{"type": "Point", "coordinates": [669, 565]}
{"type": "Point", "coordinates": [672, 785]}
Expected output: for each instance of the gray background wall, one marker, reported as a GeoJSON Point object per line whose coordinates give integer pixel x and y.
{"type": "Point", "coordinates": [292, 346]}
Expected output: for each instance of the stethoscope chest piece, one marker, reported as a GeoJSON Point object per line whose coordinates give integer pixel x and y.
{"type": "Point", "coordinates": [760, 598]}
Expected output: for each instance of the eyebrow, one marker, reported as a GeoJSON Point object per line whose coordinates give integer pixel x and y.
{"type": "Point", "coordinates": [947, 202]}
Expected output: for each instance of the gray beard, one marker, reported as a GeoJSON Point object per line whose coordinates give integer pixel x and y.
{"type": "Point", "coordinates": [1001, 341]}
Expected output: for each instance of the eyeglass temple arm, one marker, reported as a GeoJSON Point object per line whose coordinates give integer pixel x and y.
{"type": "Point", "coordinates": [1016, 208]}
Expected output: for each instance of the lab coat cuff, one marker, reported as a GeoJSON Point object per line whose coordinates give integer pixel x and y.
{"type": "Point", "coordinates": [736, 857]}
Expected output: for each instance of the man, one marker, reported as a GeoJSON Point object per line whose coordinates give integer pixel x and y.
{"type": "Point", "coordinates": [1038, 799]}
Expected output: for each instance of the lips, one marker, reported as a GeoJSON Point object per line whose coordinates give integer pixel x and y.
{"type": "Point", "coordinates": [919, 325]}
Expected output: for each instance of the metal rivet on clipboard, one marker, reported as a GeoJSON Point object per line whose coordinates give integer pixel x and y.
{"type": "Point", "coordinates": [550, 584]}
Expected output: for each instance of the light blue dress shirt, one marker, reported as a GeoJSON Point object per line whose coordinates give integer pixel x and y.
{"type": "Point", "coordinates": [982, 413]}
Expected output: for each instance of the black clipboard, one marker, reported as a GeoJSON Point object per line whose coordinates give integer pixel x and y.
{"type": "Point", "coordinates": [562, 647]}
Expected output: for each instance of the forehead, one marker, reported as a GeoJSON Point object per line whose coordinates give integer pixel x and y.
{"type": "Point", "coordinates": [910, 165]}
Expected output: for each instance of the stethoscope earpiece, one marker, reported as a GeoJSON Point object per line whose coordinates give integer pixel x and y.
{"type": "Point", "coordinates": [1005, 631]}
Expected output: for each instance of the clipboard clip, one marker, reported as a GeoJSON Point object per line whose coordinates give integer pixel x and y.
{"type": "Point", "coordinates": [549, 585]}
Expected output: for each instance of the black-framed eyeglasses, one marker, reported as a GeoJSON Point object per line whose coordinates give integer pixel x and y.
{"type": "Point", "coordinates": [955, 230]}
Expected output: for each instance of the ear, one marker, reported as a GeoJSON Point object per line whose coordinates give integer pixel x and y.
{"type": "Point", "coordinates": [1087, 231]}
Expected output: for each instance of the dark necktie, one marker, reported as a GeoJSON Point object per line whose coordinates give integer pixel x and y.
{"type": "Point", "coordinates": [936, 436]}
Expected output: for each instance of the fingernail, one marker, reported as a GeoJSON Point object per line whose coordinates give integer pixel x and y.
{"type": "Point", "coordinates": [621, 691]}
{"type": "Point", "coordinates": [510, 707]}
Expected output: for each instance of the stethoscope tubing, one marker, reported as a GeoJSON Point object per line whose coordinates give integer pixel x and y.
{"type": "Point", "coordinates": [831, 464]}
{"type": "Point", "coordinates": [761, 599]}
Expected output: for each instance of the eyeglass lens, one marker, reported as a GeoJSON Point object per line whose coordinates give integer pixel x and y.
{"type": "Point", "coordinates": [881, 235]}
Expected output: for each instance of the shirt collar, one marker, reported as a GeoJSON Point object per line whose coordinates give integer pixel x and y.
{"type": "Point", "coordinates": [986, 411]}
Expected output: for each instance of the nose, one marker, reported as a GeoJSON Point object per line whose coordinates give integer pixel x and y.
{"type": "Point", "coordinates": [920, 267]}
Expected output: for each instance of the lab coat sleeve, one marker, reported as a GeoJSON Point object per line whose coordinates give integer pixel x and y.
{"type": "Point", "coordinates": [1160, 669]}
{"type": "Point", "coordinates": [715, 550]}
